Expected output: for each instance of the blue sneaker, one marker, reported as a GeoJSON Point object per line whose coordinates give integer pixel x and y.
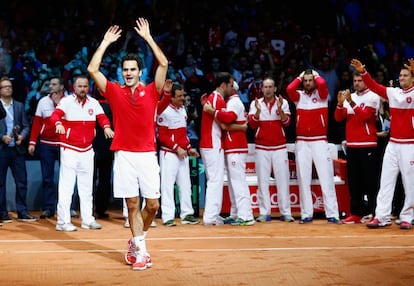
{"type": "Point", "coordinates": [287, 218]}
{"type": "Point", "coordinates": [333, 220]}
{"type": "Point", "coordinates": [228, 220]}
{"type": "Point", "coordinates": [263, 218]}
{"type": "Point", "coordinates": [306, 220]}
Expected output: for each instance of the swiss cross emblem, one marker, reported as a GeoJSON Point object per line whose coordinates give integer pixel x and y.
{"type": "Point", "coordinates": [90, 111]}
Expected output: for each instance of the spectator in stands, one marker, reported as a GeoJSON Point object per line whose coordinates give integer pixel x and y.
{"type": "Point", "coordinates": [33, 99]}
{"type": "Point", "coordinates": [255, 84]}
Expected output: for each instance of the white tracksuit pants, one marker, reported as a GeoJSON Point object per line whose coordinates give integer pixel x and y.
{"type": "Point", "coordinates": [397, 158]}
{"type": "Point", "coordinates": [241, 203]}
{"type": "Point", "coordinates": [318, 152]}
{"type": "Point", "coordinates": [174, 170]}
{"type": "Point", "coordinates": [213, 159]}
{"type": "Point", "coordinates": [278, 161]}
{"type": "Point", "coordinates": [75, 167]}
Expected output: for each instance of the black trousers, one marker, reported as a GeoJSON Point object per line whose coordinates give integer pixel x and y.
{"type": "Point", "coordinates": [362, 169]}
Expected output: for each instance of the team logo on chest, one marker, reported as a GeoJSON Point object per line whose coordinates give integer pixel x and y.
{"type": "Point", "coordinates": [314, 100]}
{"type": "Point", "coordinates": [90, 111]}
{"type": "Point", "coordinates": [409, 100]}
{"type": "Point", "coordinates": [141, 94]}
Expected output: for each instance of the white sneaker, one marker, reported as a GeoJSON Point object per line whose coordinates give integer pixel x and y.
{"type": "Point", "coordinates": [92, 225]}
{"type": "Point", "coordinates": [126, 224]}
{"type": "Point", "coordinates": [153, 224]}
{"type": "Point", "coordinates": [366, 218]}
{"type": "Point", "coordinates": [65, 227]}
{"type": "Point", "coordinates": [217, 222]}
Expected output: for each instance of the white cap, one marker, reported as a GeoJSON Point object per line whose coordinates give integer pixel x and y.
{"type": "Point", "coordinates": [235, 86]}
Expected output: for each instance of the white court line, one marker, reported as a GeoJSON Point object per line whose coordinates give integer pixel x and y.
{"type": "Point", "coordinates": [377, 237]}
{"type": "Point", "coordinates": [276, 249]}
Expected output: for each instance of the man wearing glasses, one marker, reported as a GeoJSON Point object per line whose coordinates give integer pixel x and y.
{"type": "Point", "coordinates": [14, 130]}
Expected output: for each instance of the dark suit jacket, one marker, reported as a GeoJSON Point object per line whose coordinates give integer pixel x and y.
{"type": "Point", "coordinates": [2, 112]}
{"type": "Point", "coordinates": [20, 119]}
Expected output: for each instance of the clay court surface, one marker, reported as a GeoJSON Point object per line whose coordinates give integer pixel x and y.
{"type": "Point", "coordinates": [273, 253]}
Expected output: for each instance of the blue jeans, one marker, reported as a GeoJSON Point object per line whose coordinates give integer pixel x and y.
{"type": "Point", "coordinates": [48, 156]}
{"type": "Point", "coordinates": [9, 157]}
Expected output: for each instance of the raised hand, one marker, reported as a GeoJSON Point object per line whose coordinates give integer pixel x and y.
{"type": "Point", "coordinates": [358, 65]}
{"type": "Point", "coordinates": [279, 101]}
{"type": "Point", "coordinates": [341, 97]}
{"type": "Point", "coordinates": [142, 28]}
{"type": "Point", "coordinates": [113, 34]}
{"type": "Point", "coordinates": [315, 73]}
{"type": "Point", "coordinates": [411, 65]}
{"type": "Point", "coordinates": [168, 85]}
{"type": "Point", "coordinates": [347, 95]}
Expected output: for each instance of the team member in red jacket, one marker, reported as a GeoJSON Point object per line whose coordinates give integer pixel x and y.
{"type": "Point", "coordinates": [212, 152]}
{"type": "Point", "coordinates": [268, 115]}
{"type": "Point", "coordinates": [174, 162]}
{"type": "Point", "coordinates": [48, 148]}
{"type": "Point", "coordinates": [234, 120]}
{"type": "Point", "coordinates": [360, 110]}
{"type": "Point", "coordinates": [399, 153]}
{"type": "Point", "coordinates": [75, 119]}
{"type": "Point", "coordinates": [312, 143]}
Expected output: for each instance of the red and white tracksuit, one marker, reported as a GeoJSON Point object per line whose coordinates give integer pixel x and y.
{"type": "Point", "coordinates": [361, 119]}
{"type": "Point", "coordinates": [213, 159]}
{"type": "Point", "coordinates": [271, 154]}
{"type": "Point", "coordinates": [312, 146]}
{"type": "Point", "coordinates": [361, 151]}
{"type": "Point", "coordinates": [399, 153]}
{"type": "Point", "coordinates": [172, 133]}
{"type": "Point", "coordinates": [76, 153]}
{"type": "Point", "coordinates": [235, 153]}
{"type": "Point", "coordinates": [42, 123]}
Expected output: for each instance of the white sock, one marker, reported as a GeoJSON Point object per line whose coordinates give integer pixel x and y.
{"type": "Point", "coordinates": [145, 233]}
{"type": "Point", "coordinates": [140, 243]}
